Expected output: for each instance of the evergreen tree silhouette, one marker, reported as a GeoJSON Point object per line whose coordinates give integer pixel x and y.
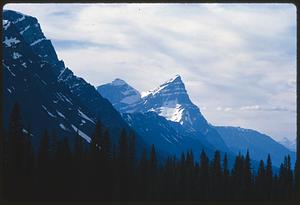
{"type": "Point", "coordinates": [106, 164]}
{"type": "Point", "coordinates": [216, 177]}
{"type": "Point", "coordinates": [269, 178]}
{"type": "Point", "coordinates": [260, 181]}
{"type": "Point", "coordinates": [16, 149]}
{"type": "Point", "coordinates": [43, 163]}
{"type": "Point", "coordinates": [226, 179]}
{"type": "Point", "coordinates": [204, 175]}
{"type": "Point", "coordinates": [95, 163]}
{"type": "Point", "coordinates": [248, 177]}
{"type": "Point", "coordinates": [238, 183]}
{"type": "Point", "coordinates": [123, 165]}
{"type": "Point", "coordinates": [152, 174]}
{"type": "Point", "coordinates": [142, 173]}
{"type": "Point", "coordinates": [132, 165]}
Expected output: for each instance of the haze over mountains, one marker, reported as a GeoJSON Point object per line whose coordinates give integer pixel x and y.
{"type": "Point", "coordinates": [46, 89]}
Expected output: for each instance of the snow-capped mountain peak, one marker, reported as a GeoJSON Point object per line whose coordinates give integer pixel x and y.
{"type": "Point", "coordinates": [171, 87]}
{"type": "Point", "coordinates": [171, 101]}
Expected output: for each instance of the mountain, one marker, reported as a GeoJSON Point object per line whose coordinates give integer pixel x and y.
{"type": "Point", "coordinates": [166, 135]}
{"type": "Point", "coordinates": [122, 96]}
{"type": "Point", "coordinates": [163, 117]}
{"type": "Point", "coordinates": [259, 145]}
{"type": "Point", "coordinates": [167, 117]}
{"type": "Point", "coordinates": [45, 88]}
{"type": "Point", "coordinates": [290, 144]}
{"type": "Point", "coordinates": [171, 101]}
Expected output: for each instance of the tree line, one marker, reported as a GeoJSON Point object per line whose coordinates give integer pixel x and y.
{"type": "Point", "coordinates": [103, 170]}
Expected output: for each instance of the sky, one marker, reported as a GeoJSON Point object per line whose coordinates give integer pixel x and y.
{"type": "Point", "coordinates": [238, 61]}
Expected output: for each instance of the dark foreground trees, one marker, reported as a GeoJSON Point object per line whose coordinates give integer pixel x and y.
{"type": "Point", "coordinates": [103, 170]}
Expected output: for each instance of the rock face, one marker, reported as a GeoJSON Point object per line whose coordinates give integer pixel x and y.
{"type": "Point", "coordinates": [49, 94]}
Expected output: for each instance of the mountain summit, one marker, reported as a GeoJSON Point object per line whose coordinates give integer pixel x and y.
{"type": "Point", "coordinates": [122, 96]}
{"type": "Point", "coordinates": [169, 100]}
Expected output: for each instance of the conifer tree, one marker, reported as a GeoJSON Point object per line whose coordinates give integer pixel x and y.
{"type": "Point", "coordinates": [238, 184]}
{"type": "Point", "coordinates": [248, 176]}
{"type": "Point", "coordinates": [269, 177]}
{"type": "Point", "coordinates": [216, 177]}
{"type": "Point", "coordinates": [142, 187]}
{"type": "Point", "coordinates": [132, 164]}
{"type": "Point", "coordinates": [16, 150]}
{"type": "Point", "coordinates": [43, 162]}
{"type": "Point", "coordinates": [94, 165]}
{"type": "Point", "coordinates": [260, 181]}
{"type": "Point", "coordinates": [152, 174]}
{"type": "Point", "coordinates": [204, 175]}
{"type": "Point", "coordinates": [226, 178]}
{"type": "Point", "coordinates": [123, 165]}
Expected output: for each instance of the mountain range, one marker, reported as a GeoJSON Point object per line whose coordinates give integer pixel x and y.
{"type": "Point", "coordinates": [52, 97]}
{"type": "Point", "coordinates": [168, 118]}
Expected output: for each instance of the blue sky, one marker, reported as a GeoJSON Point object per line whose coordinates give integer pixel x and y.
{"type": "Point", "coordinates": [238, 61]}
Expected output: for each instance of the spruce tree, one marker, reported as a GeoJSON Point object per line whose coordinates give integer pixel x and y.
{"type": "Point", "coordinates": [248, 177]}
{"type": "Point", "coordinates": [152, 174]}
{"type": "Point", "coordinates": [123, 165]}
{"type": "Point", "coordinates": [16, 150]}
{"type": "Point", "coordinates": [204, 176]}
{"type": "Point", "coordinates": [43, 162]}
{"type": "Point", "coordinates": [226, 178]}
{"type": "Point", "coordinates": [142, 173]}
{"type": "Point", "coordinates": [260, 181]}
{"type": "Point", "coordinates": [269, 178]}
{"type": "Point", "coordinates": [216, 177]}
{"type": "Point", "coordinates": [95, 163]}
{"type": "Point", "coordinates": [132, 165]}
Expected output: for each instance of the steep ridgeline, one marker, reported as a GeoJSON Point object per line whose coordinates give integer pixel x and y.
{"type": "Point", "coordinates": [171, 101]}
{"type": "Point", "coordinates": [165, 117]}
{"type": "Point", "coordinates": [123, 97]}
{"type": "Point", "coordinates": [49, 94]}
{"type": "Point", "coordinates": [259, 145]}
{"type": "Point", "coordinates": [28, 80]}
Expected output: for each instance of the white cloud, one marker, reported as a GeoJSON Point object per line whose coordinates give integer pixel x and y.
{"type": "Point", "coordinates": [252, 107]}
{"type": "Point", "coordinates": [236, 58]}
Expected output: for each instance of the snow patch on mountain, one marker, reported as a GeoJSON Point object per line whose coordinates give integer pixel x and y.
{"type": "Point", "coordinates": [37, 41]}
{"type": "Point", "coordinates": [62, 126]}
{"type": "Point", "coordinates": [49, 113]}
{"type": "Point", "coordinates": [173, 113]}
{"type": "Point", "coordinates": [60, 114]}
{"type": "Point", "coordinates": [82, 134]}
{"type": "Point", "coordinates": [10, 41]}
{"type": "Point", "coordinates": [16, 55]}
{"type": "Point", "coordinates": [85, 116]}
